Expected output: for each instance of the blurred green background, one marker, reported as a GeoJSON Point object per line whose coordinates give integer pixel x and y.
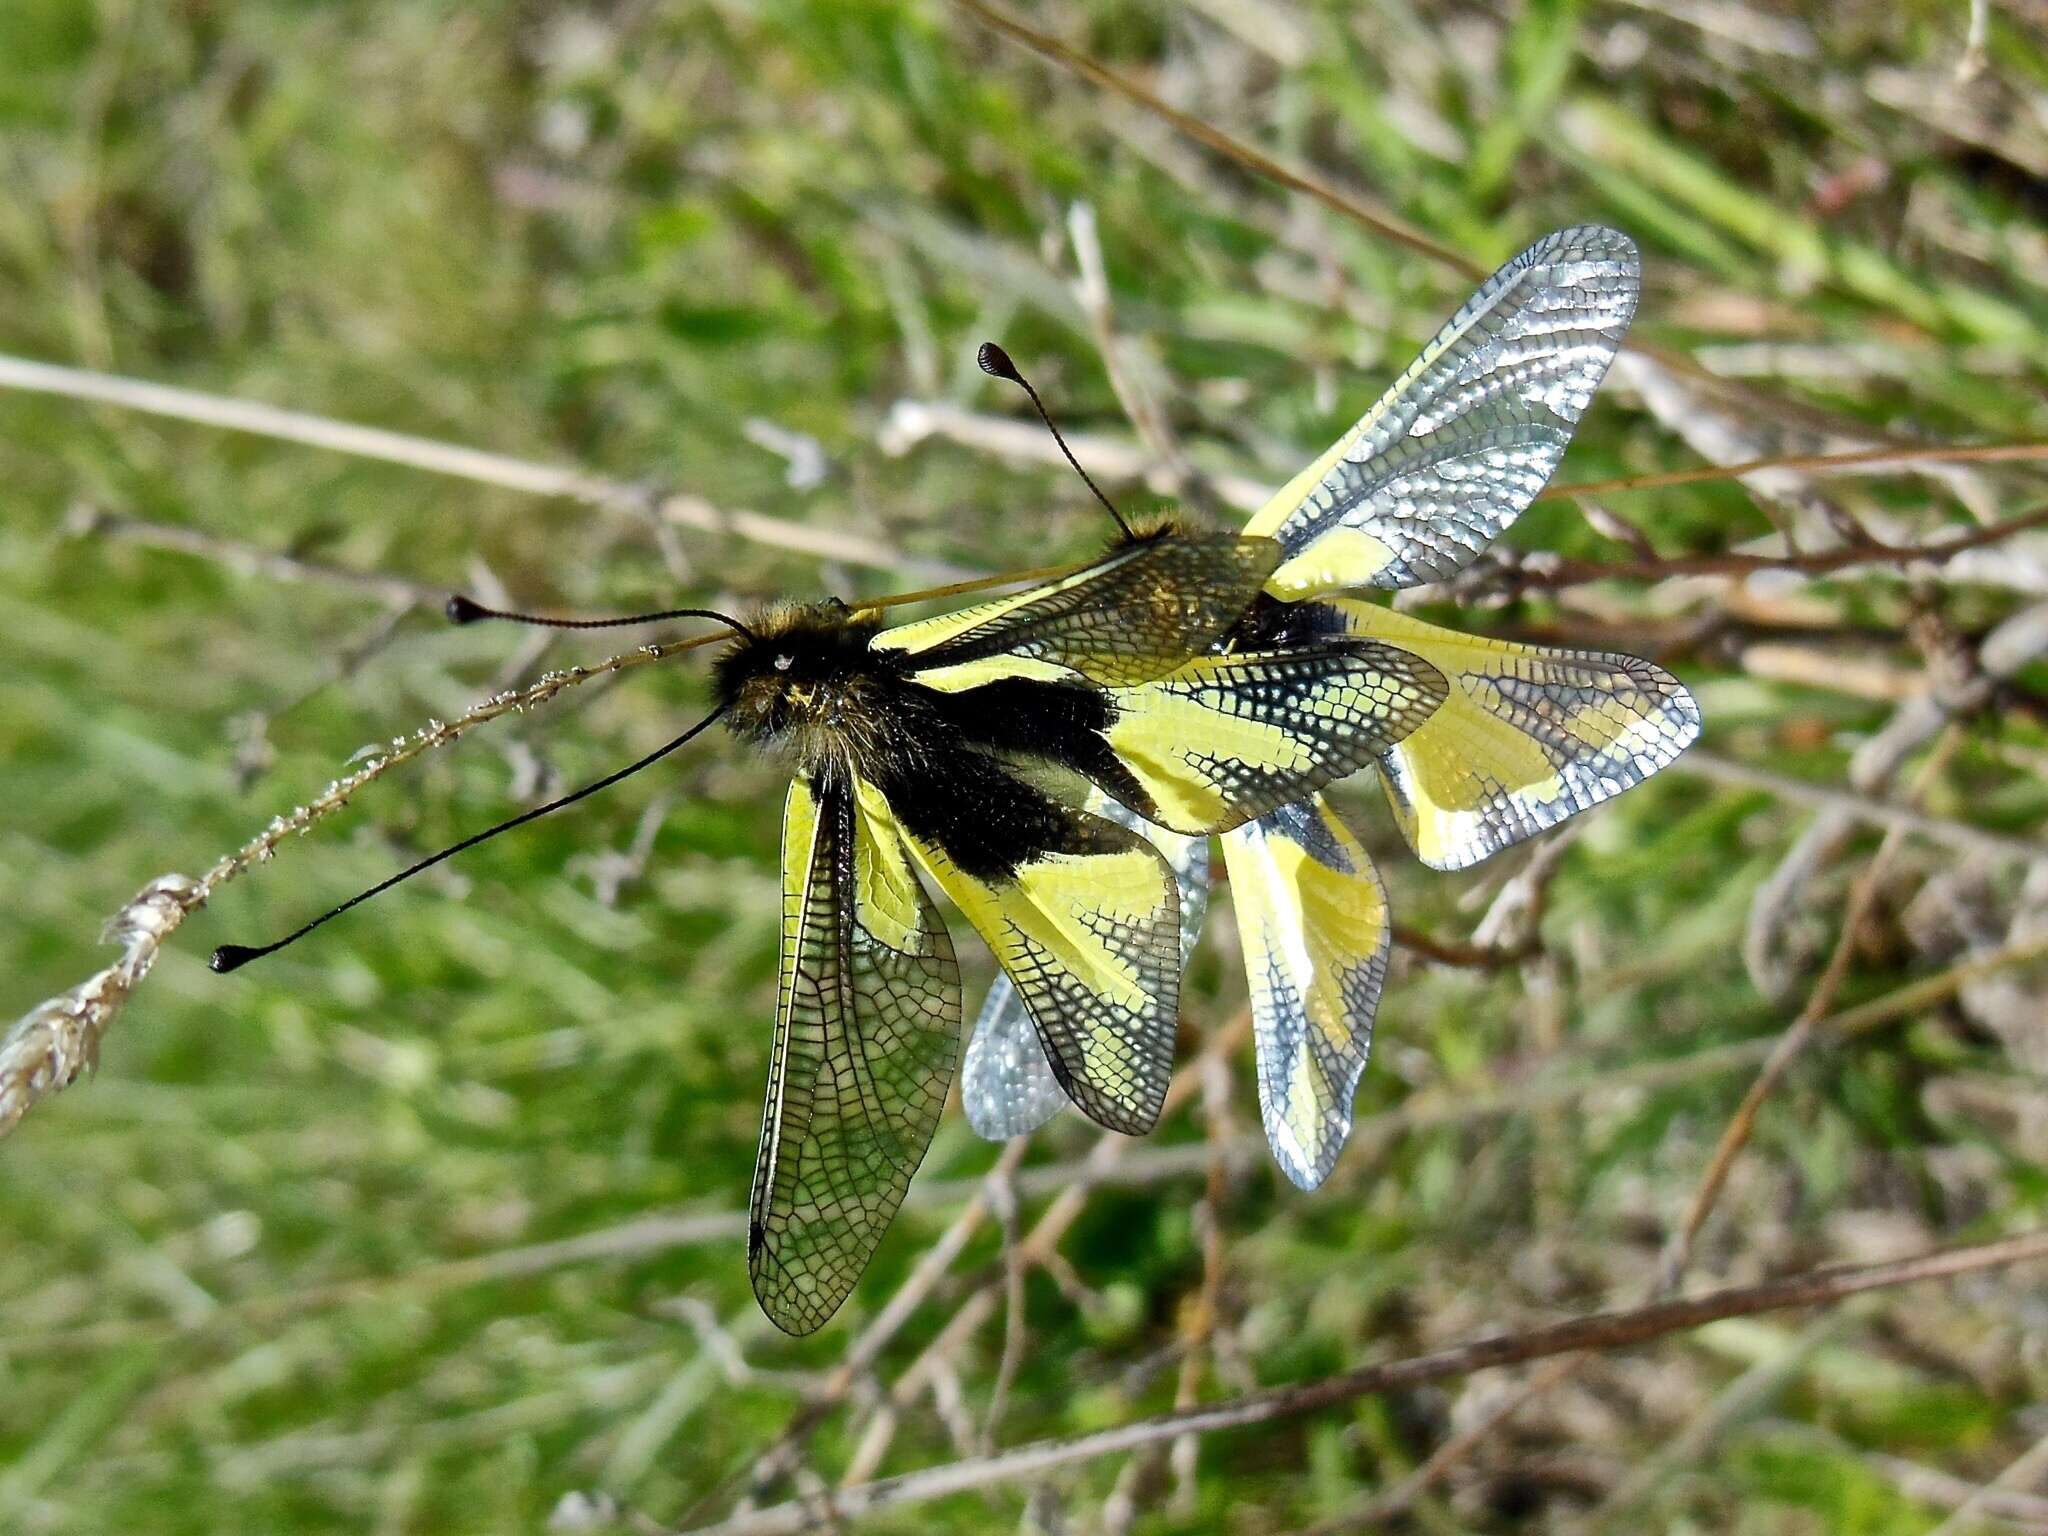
{"type": "Point", "coordinates": [255, 1274]}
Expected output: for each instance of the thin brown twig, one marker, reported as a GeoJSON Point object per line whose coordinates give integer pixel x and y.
{"type": "Point", "coordinates": [1597, 1331]}
{"type": "Point", "coordinates": [1813, 1019]}
{"type": "Point", "coordinates": [1370, 215]}
{"type": "Point", "coordinates": [1454, 952]}
{"type": "Point", "coordinates": [911, 421]}
{"type": "Point", "coordinates": [1038, 1243]}
{"type": "Point", "coordinates": [1038, 1247]}
{"type": "Point", "coordinates": [1671, 1265]}
{"type": "Point", "coordinates": [1136, 1168]}
{"type": "Point", "coordinates": [1550, 571]}
{"type": "Point", "coordinates": [1381, 220]}
{"type": "Point", "coordinates": [679, 509]}
{"type": "Point", "coordinates": [861, 1352]}
{"type": "Point", "coordinates": [1808, 463]}
{"type": "Point", "coordinates": [1744, 1397]}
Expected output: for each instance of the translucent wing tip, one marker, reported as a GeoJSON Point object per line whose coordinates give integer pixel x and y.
{"type": "Point", "coordinates": [1593, 239]}
{"type": "Point", "coordinates": [1307, 1167]}
{"type": "Point", "coordinates": [1666, 721]}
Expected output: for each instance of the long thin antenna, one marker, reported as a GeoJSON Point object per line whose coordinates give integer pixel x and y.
{"type": "Point", "coordinates": [232, 957]}
{"type": "Point", "coordinates": [996, 363]}
{"type": "Point", "coordinates": [466, 610]}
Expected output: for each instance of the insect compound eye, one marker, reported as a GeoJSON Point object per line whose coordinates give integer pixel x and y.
{"type": "Point", "coordinates": [784, 662]}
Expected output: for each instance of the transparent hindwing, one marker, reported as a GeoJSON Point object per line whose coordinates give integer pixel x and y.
{"type": "Point", "coordinates": [1453, 453]}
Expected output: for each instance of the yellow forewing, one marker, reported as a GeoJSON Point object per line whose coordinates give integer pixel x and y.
{"type": "Point", "coordinates": [1526, 737]}
{"type": "Point", "coordinates": [889, 904]}
{"type": "Point", "coordinates": [867, 1026]}
{"type": "Point", "coordinates": [1465, 439]}
{"type": "Point", "coordinates": [1312, 918]}
{"type": "Point", "coordinates": [1233, 736]}
{"type": "Point", "coordinates": [1090, 938]}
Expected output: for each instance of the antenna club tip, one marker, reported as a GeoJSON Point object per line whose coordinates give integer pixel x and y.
{"type": "Point", "coordinates": [232, 957]}
{"type": "Point", "coordinates": [463, 610]}
{"type": "Point", "coordinates": [994, 361]}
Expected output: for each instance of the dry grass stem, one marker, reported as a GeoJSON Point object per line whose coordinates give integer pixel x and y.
{"type": "Point", "coordinates": [54, 1042]}
{"type": "Point", "coordinates": [1862, 898]}
{"type": "Point", "coordinates": [1598, 1331]}
{"type": "Point", "coordinates": [672, 508]}
{"type": "Point", "coordinates": [50, 1045]}
{"type": "Point", "coordinates": [1867, 809]}
{"type": "Point", "coordinates": [244, 558]}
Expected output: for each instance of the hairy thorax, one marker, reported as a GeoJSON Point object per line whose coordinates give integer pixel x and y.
{"type": "Point", "coordinates": [809, 684]}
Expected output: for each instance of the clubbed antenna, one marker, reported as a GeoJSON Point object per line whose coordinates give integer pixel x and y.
{"type": "Point", "coordinates": [467, 610]}
{"type": "Point", "coordinates": [996, 363]}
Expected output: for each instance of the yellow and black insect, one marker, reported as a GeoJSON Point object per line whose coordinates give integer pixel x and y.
{"type": "Point", "coordinates": [1525, 736]}
{"type": "Point", "coordinates": [1054, 761]}
{"type": "Point", "coordinates": [963, 749]}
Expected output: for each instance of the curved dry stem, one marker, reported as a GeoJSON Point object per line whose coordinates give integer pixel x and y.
{"type": "Point", "coordinates": [53, 1044]}
{"type": "Point", "coordinates": [1595, 1331]}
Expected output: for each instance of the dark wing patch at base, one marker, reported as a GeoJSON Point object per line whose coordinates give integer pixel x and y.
{"type": "Point", "coordinates": [1137, 614]}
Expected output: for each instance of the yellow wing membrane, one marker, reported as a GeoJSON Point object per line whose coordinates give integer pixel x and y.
{"type": "Point", "coordinates": [1136, 614]}
{"type": "Point", "coordinates": [1312, 917]}
{"type": "Point", "coordinates": [1230, 737]}
{"type": "Point", "coordinates": [867, 1026]}
{"type": "Point", "coordinates": [1470, 433]}
{"type": "Point", "coordinates": [1006, 1080]}
{"type": "Point", "coordinates": [1527, 736]}
{"type": "Point", "coordinates": [1090, 938]}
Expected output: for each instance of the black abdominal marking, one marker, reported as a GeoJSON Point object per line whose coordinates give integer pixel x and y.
{"type": "Point", "coordinates": [945, 761]}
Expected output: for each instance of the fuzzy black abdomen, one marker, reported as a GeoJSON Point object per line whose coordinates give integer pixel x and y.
{"type": "Point", "coordinates": [967, 799]}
